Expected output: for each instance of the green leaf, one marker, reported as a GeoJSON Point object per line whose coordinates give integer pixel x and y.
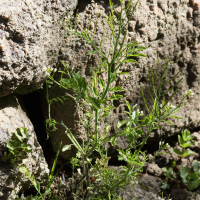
{"type": "Point", "coordinates": [167, 122]}
{"type": "Point", "coordinates": [139, 131]}
{"type": "Point", "coordinates": [80, 96]}
{"type": "Point", "coordinates": [193, 184]}
{"type": "Point", "coordinates": [187, 144]}
{"type": "Point", "coordinates": [95, 103]}
{"type": "Point", "coordinates": [184, 172]}
{"type": "Point", "coordinates": [23, 169]}
{"type": "Point", "coordinates": [113, 141]}
{"type": "Point", "coordinates": [53, 167]}
{"type": "Point", "coordinates": [116, 97]}
{"type": "Point", "coordinates": [95, 90]}
{"type": "Point", "coordinates": [164, 169]}
{"type": "Point", "coordinates": [129, 60]}
{"type": "Point", "coordinates": [173, 164]}
{"type": "Point", "coordinates": [185, 134]}
{"type": "Point", "coordinates": [23, 132]}
{"type": "Point", "coordinates": [13, 144]}
{"type": "Point", "coordinates": [105, 114]}
{"type": "Point", "coordinates": [189, 137]}
{"type": "Point", "coordinates": [195, 165]}
{"type": "Point", "coordinates": [177, 151]}
{"type": "Point", "coordinates": [187, 153]}
{"type": "Point", "coordinates": [121, 123]}
{"type": "Point", "coordinates": [37, 186]}
{"type": "Point", "coordinates": [128, 105]}
{"type": "Point", "coordinates": [176, 117]}
{"type": "Point", "coordinates": [165, 185]}
{"type": "Point", "coordinates": [146, 120]}
{"type": "Point", "coordinates": [193, 176]}
{"type": "Point", "coordinates": [123, 73]}
{"type": "Point", "coordinates": [138, 54]}
{"type": "Point", "coordinates": [117, 89]}
{"type": "Point", "coordinates": [91, 52]}
{"type": "Point", "coordinates": [18, 136]}
{"type": "Point", "coordinates": [107, 129]}
{"type": "Point", "coordinates": [101, 82]}
{"type": "Point", "coordinates": [180, 140]}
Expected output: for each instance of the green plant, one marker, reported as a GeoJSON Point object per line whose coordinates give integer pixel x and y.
{"type": "Point", "coordinates": [18, 149]}
{"type": "Point", "coordinates": [185, 142]}
{"type": "Point", "coordinates": [96, 180]}
{"type": "Point", "coordinates": [188, 175]}
{"type": "Point", "coordinates": [191, 176]}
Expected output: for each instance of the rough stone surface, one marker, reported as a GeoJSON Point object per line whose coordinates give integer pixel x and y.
{"type": "Point", "coordinates": [148, 188]}
{"type": "Point", "coordinates": [153, 169]}
{"type": "Point", "coordinates": [178, 193]}
{"type": "Point", "coordinates": [13, 116]}
{"type": "Point", "coordinates": [30, 38]}
{"type": "Point", "coordinates": [169, 26]}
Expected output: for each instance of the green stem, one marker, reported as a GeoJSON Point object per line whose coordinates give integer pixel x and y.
{"type": "Point", "coordinates": [96, 134]}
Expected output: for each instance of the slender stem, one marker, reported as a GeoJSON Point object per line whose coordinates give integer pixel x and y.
{"type": "Point", "coordinates": [96, 134]}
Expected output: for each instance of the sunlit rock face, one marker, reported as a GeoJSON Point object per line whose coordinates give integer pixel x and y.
{"type": "Point", "coordinates": [30, 37]}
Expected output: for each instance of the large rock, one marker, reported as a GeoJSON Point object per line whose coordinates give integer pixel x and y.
{"type": "Point", "coordinates": [148, 188]}
{"type": "Point", "coordinates": [30, 38]}
{"type": "Point", "coordinates": [13, 116]}
{"type": "Point", "coordinates": [170, 27]}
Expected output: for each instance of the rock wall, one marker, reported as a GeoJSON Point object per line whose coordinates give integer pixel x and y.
{"type": "Point", "coordinates": [31, 37]}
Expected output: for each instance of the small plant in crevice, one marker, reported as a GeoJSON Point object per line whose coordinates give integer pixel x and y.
{"type": "Point", "coordinates": [189, 176]}
{"type": "Point", "coordinates": [18, 150]}
{"type": "Point", "coordinates": [92, 178]}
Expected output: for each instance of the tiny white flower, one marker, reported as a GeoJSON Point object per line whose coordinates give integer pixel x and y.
{"type": "Point", "coordinates": [79, 171]}
{"type": "Point", "coordinates": [192, 93]}
{"type": "Point", "coordinates": [120, 153]}
{"type": "Point", "coordinates": [125, 158]}
{"type": "Point", "coordinates": [167, 145]}
{"type": "Point", "coordinates": [138, 110]}
{"type": "Point", "coordinates": [160, 143]}
{"type": "Point", "coordinates": [49, 86]}
{"type": "Point", "coordinates": [55, 70]}
{"type": "Point", "coordinates": [78, 155]}
{"type": "Point", "coordinates": [141, 113]}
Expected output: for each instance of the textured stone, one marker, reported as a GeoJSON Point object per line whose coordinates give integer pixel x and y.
{"type": "Point", "coordinates": [30, 38]}
{"type": "Point", "coordinates": [148, 188]}
{"type": "Point", "coordinates": [153, 169]}
{"type": "Point", "coordinates": [13, 116]}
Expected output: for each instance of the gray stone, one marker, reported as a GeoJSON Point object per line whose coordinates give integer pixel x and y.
{"type": "Point", "coordinates": [30, 38]}
{"type": "Point", "coordinates": [153, 169]}
{"type": "Point", "coordinates": [148, 188]}
{"type": "Point", "coordinates": [13, 116]}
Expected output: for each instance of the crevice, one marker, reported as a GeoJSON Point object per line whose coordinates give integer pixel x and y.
{"type": "Point", "coordinates": [33, 107]}
{"type": "Point", "coordinates": [16, 37]}
{"type": "Point", "coordinates": [192, 75]}
{"type": "Point", "coordinates": [160, 36]}
{"type": "Point", "coordinates": [4, 20]}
